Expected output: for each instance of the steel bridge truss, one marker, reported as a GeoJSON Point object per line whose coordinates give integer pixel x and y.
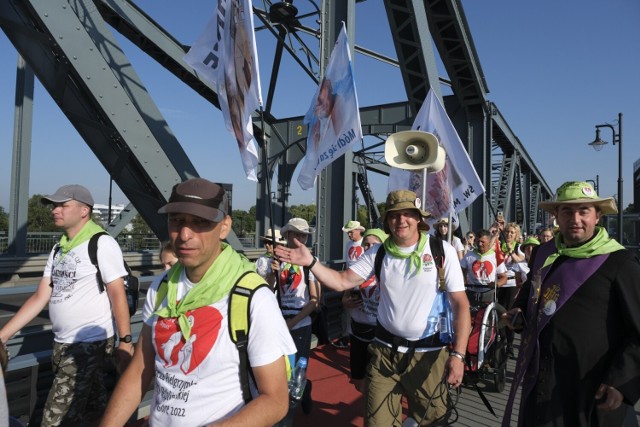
{"type": "Point", "coordinates": [68, 46]}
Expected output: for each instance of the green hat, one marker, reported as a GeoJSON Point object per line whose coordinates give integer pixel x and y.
{"type": "Point", "coordinates": [378, 232]}
{"type": "Point", "coordinates": [531, 241]}
{"type": "Point", "coordinates": [579, 192]}
{"type": "Point", "coordinates": [404, 199]}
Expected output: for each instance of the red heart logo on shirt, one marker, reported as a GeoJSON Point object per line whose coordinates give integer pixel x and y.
{"type": "Point", "coordinates": [289, 280]}
{"type": "Point", "coordinates": [355, 252]}
{"type": "Point", "coordinates": [187, 355]}
{"type": "Point", "coordinates": [482, 269]}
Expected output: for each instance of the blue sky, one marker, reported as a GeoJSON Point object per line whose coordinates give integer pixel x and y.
{"type": "Point", "coordinates": [554, 69]}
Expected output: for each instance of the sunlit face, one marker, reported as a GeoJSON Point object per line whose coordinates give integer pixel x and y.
{"type": "Point", "coordinates": [168, 259]}
{"type": "Point", "coordinates": [197, 241]}
{"type": "Point", "coordinates": [484, 244]}
{"type": "Point", "coordinates": [511, 234]}
{"type": "Point", "coordinates": [577, 223]}
{"type": "Point", "coordinates": [545, 236]}
{"type": "Point", "coordinates": [403, 225]}
{"type": "Point", "coordinates": [443, 229]}
{"type": "Point", "coordinates": [355, 235]}
{"type": "Point", "coordinates": [369, 241]}
{"type": "Point", "coordinates": [70, 215]}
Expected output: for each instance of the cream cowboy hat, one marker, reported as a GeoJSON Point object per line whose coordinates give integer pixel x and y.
{"type": "Point", "coordinates": [352, 225]}
{"type": "Point", "coordinates": [269, 237]}
{"type": "Point", "coordinates": [299, 225]}
{"type": "Point", "coordinates": [579, 192]}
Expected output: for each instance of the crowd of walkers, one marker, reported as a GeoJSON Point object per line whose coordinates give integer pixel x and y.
{"type": "Point", "coordinates": [221, 334]}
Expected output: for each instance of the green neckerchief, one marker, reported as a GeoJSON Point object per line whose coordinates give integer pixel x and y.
{"type": "Point", "coordinates": [88, 230]}
{"type": "Point", "coordinates": [214, 285]}
{"type": "Point", "coordinates": [506, 247]}
{"type": "Point", "coordinates": [416, 256]}
{"type": "Point", "coordinates": [287, 266]}
{"type": "Point", "coordinates": [600, 244]}
{"type": "Point", "coordinates": [489, 252]}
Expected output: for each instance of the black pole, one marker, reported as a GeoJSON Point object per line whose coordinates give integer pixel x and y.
{"type": "Point", "coordinates": [620, 185]}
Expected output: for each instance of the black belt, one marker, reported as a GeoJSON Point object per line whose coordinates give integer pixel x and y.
{"type": "Point", "coordinates": [385, 336]}
{"type": "Point", "coordinates": [431, 341]}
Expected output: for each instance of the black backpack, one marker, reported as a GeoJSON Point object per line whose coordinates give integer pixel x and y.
{"type": "Point", "coordinates": [131, 283]}
{"type": "Point", "coordinates": [437, 251]}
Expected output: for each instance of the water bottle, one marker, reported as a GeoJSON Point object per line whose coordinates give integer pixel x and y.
{"type": "Point", "coordinates": [446, 321]}
{"type": "Point", "coordinates": [298, 380]}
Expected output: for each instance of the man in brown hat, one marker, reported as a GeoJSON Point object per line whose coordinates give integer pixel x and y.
{"type": "Point", "coordinates": [186, 345]}
{"type": "Point", "coordinates": [580, 355]}
{"type": "Point", "coordinates": [80, 310]}
{"type": "Point", "coordinates": [408, 356]}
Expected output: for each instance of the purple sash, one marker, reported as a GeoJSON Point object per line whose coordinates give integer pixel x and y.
{"type": "Point", "coordinates": [556, 289]}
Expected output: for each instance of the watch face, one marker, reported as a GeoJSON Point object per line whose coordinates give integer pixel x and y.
{"type": "Point", "coordinates": [126, 338]}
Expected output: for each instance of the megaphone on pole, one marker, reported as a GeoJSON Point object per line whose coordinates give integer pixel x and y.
{"type": "Point", "coordinates": [412, 150]}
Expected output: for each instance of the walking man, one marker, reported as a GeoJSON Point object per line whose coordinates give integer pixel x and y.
{"type": "Point", "coordinates": [185, 344]}
{"type": "Point", "coordinates": [81, 314]}
{"type": "Point", "coordinates": [580, 355]}
{"type": "Point", "coordinates": [408, 357]}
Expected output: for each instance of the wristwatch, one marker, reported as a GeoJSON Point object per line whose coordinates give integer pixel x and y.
{"type": "Point", "coordinates": [126, 339]}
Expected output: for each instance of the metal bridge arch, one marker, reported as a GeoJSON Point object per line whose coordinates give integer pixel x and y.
{"type": "Point", "coordinates": [68, 46]}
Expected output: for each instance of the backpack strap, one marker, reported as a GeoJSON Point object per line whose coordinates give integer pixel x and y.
{"type": "Point", "coordinates": [163, 287]}
{"type": "Point", "coordinates": [93, 257]}
{"type": "Point", "coordinates": [437, 251]}
{"type": "Point", "coordinates": [377, 263]}
{"type": "Point", "coordinates": [239, 323]}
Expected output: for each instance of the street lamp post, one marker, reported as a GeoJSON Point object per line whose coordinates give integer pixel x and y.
{"type": "Point", "coordinates": [595, 183]}
{"type": "Point", "coordinates": [597, 144]}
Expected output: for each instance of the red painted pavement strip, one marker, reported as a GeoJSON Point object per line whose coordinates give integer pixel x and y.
{"type": "Point", "coordinates": [335, 400]}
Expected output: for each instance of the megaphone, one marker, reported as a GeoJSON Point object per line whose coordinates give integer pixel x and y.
{"type": "Point", "coordinates": [413, 150]}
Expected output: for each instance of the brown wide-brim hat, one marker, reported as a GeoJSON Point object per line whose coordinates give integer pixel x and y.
{"type": "Point", "coordinates": [579, 192]}
{"type": "Point", "coordinates": [404, 199]}
{"type": "Point", "coordinates": [198, 197]}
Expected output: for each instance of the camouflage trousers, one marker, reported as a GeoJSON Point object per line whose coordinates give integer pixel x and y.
{"type": "Point", "coordinates": [78, 395]}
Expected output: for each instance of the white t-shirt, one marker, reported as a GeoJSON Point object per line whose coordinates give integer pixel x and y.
{"type": "Point", "coordinates": [79, 312]}
{"type": "Point", "coordinates": [263, 265]}
{"type": "Point", "coordinates": [353, 251]}
{"type": "Point", "coordinates": [197, 382]}
{"type": "Point", "coordinates": [512, 269]}
{"type": "Point", "coordinates": [294, 292]}
{"type": "Point", "coordinates": [481, 269]}
{"type": "Point", "coordinates": [457, 244]}
{"type": "Point", "coordinates": [407, 300]}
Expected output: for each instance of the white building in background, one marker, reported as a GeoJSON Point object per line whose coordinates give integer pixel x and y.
{"type": "Point", "coordinates": [102, 212]}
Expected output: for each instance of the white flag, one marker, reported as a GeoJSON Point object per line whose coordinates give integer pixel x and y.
{"type": "Point", "coordinates": [457, 185]}
{"type": "Point", "coordinates": [225, 54]}
{"type": "Point", "coordinates": [334, 117]}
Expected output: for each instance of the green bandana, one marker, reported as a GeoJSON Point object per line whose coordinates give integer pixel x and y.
{"type": "Point", "coordinates": [599, 245]}
{"type": "Point", "coordinates": [214, 285]}
{"type": "Point", "coordinates": [88, 230]}
{"type": "Point", "coordinates": [489, 252]}
{"type": "Point", "coordinates": [416, 256]}
{"type": "Point", "coordinates": [507, 247]}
